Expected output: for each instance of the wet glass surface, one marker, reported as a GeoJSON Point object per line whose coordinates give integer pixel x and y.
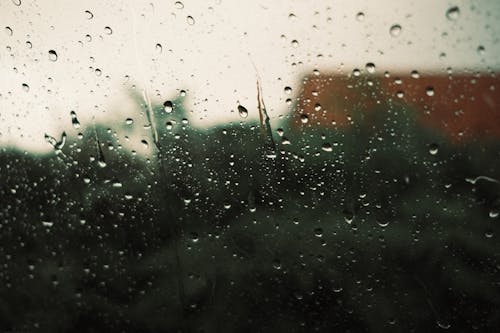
{"type": "Point", "coordinates": [233, 166]}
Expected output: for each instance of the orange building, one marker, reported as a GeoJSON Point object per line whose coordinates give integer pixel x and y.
{"type": "Point", "coordinates": [460, 105]}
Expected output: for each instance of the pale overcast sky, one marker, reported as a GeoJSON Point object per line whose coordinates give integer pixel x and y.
{"type": "Point", "coordinates": [207, 48]}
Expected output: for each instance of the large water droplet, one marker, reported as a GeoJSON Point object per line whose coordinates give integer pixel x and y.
{"type": "Point", "coordinates": [242, 111]}
{"type": "Point", "coordinates": [453, 13]}
{"type": "Point", "coordinates": [190, 20]}
{"type": "Point", "coordinates": [327, 147]}
{"type": "Point", "coordinates": [89, 14]}
{"type": "Point", "coordinates": [159, 48]}
{"type": "Point", "coordinates": [395, 30]}
{"type": "Point", "coordinates": [288, 90]}
{"type": "Point", "coordinates": [304, 118]}
{"type": "Point", "coordinates": [429, 91]}
{"type": "Point", "coordinates": [370, 67]}
{"type": "Point", "coordinates": [52, 55]}
{"type": "Point", "coordinates": [168, 106]}
{"type": "Point", "coordinates": [360, 16]}
{"type": "Point", "coordinates": [74, 120]}
{"type": "Point", "coordinates": [179, 5]}
{"type": "Point", "coordinates": [433, 148]}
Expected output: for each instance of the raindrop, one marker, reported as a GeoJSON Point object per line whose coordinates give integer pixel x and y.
{"type": "Point", "coordinates": [317, 107]}
{"type": "Point", "coordinates": [26, 88]}
{"type": "Point", "coordinates": [443, 324]}
{"type": "Point", "coordinates": [370, 67]}
{"type": "Point", "coordinates": [74, 120]}
{"type": "Point", "coordinates": [295, 43]}
{"type": "Point", "coordinates": [395, 30]}
{"type": "Point", "coordinates": [179, 5]}
{"type": "Point", "coordinates": [190, 20]}
{"type": "Point", "coordinates": [415, 74]}
{"type": "Point", "coordinates": [327, 147]}
{"type": "Point", "coordinates": [159, 48]}
{"type": "Point", "coordinates": [429, 91]}
{"type": "Point", "coordinates": [129, 121]}
{"type": "Point", "coordinates": [400, 94]}
{"type": "Point", "coordinates": [168, 106]}
{"type": "Point", "coordinates": [89, 14]}
{"type": "Point", "coordinates": [433, 148]}
{"type": "Point", "coordinates": [98, 72]}
{"type": "Point", "coordinates": [242, 111]}
{"type": "Point", "coordinates": [493, 214]}
{"type": "Point", "coordinates": [16, 2]}
{"type": "Point", "coordinates": [168, 125]}
{"type": "Point", "coordinates": [145, 144]}
{"type": "Point", "coordinates": [288, 90]}
{"type": "Point", "coordinates": [356, 72]}
{"type": "Point", "coordinates": [28, 44]}
{"type": "Point", "coordinates": [8, 30]}
{"type": "Point", "coordinates": [108, 30]}
{"type": "Point", "coordinates": [183, 93]}
{"type": "Point", "coordinates": [304, 118]}
{"type": "Point", "coordinates": [360, 16]}
{"type": "Point", "coordinates": [480, 50]}
{"type": "Point", "coordinates": [453, 13]}
{"type": "Point", "coordinates": [318, 232]}
{"type": "Point", "coordinates": [52, 55]}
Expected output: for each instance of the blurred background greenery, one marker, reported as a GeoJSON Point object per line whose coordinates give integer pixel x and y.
{"type": "Point", "coordinates": [379, 226]}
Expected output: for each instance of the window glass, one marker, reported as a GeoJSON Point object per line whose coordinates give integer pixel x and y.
{"type": "Point", "coordinates": [234, 166]}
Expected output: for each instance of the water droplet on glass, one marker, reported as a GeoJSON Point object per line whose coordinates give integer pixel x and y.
{"type": "Point", "coordinates": [493, 213]}
{"type": "Point", "coordinates": [8, 30]}
{"type": "Point", "coordinates": [108, 30]}
{"type": "Point", "coordinates": [360, 16]}
{"type": "Point", "coordinates": [242, 111]}
{"type": "Point", "coordinates": [74, 120]}
{"type": "Point", "coordinates": [98, 72]}
{"type": "Point", "coordinates": [295, 43]}
{"type": "Point", "coordinates": [168, 125]}
{"type": "Point", "coordinates": [159, 48]}
{"type": "Point", "coordinates": [395, 30]}
{"type": "Point", "coordinates": [317, 107]}
{"type": "Point", "coordinates": [26, 88]}
{"type": "Point", "coordinates": [168, 106]}
{"type": "Point", "coordinates": [429, 91]}
{"type": "Point", "coordinates": [52, 55]}
{"type": "Point", "coordinates": [327, 147]}
{"type": "Point", "coordinates": [370, 67]}
{"type": "Point", "coordinates": [433, 148]}
{"type": "Point", "coordinates": [179, 5]}
{"type": "Point", "coordinates": [190, 20]}
{"type": "Point", "coordinates": [443, 324]}
{"type": "Point", "coordinates": [318, 232]}
{"type": "Point", "coordinates": [480, 50]}
{"type": "Point", "coordinates": [89, 14]}
{"type": "Point", "coordinates": [145, 144]}
{"type": "Point", "coordinates": [304, 118]}
{"type": "Point", "coordinates": [28, 44]}
{"type": "Point", "coordinates": [288, 90]}
{"type": "Point", "coordinates": [183, 93]}
{"type": "Point", "coordinates": [453, 13]}
{"type": "Point", "coordinates": [415, 74]}
{"type": "Point", "coordinates": [356, 72]}
{"type": "Point", "coordinates": [129, 121]}
{"type": "Point", "coordinates": [16, 2]}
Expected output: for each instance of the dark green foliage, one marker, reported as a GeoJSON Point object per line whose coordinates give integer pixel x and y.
{"type": "Point", "coordinates": [208, 234]}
